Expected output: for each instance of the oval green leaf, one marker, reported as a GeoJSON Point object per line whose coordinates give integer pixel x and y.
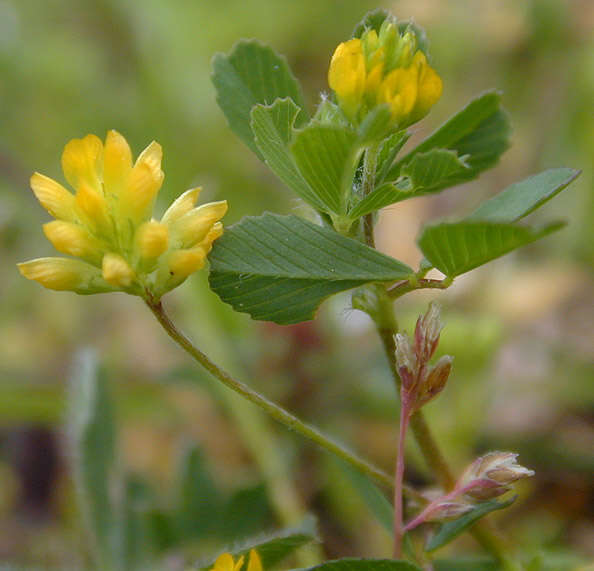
{"type": "Point", "coordinates": [456, 248]}
{"type": "Point", "coordinates": [253, 73]}
{"type": "Point", "coordinates": [280, 268]}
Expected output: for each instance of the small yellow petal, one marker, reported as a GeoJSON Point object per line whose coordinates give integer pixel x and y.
{"type": "Point", "coordinates": [430, 87]}
{"type": "Point", "coordinates": [64, 274]}
{"type": "Point", "coordinates": [239, 564]}
{"type": "Point", "coordinates": [82, 161]}
{"type": "Point", "coordinates": [399, 89]}
{"type": "Point", "coordinates": [193, 226]}
{"type": "Point", "coordinates": [117, 271]}
{"type": "Point", "coordinates": [117, 163]}
{"type": "Point", "coordinates": [255, 563]}
{"type": "Point", "coordinates": [215, 232]}
{"type": "Point", "coordinates": [152, 156]}
{"type": "Point", "coordinates": [152, 239]}
{"type": "Point", "coordinates": [182, 263]}
{"type": "Point", "coordinates": [53, 197]}
{"type": "Point", "coordinates": [224, 562]}
{"type": "Point", "coordinates": [72, 239]}
{"type": "Point", "coordinates": [181, 205]}
{"type": "Point", "coordinates": [92, 208]}
{"type": "Point", "coordinates": [141, 190]}
{"type": "Point", "coordinates": [346, 75]}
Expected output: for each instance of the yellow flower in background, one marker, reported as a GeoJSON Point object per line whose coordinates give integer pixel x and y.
{"type": "Point", "coordinates": [225, 562]}
{"type": "Point", "coordinates": [106, 223]}
{"type": "Point", "coordinates": [384, 69]}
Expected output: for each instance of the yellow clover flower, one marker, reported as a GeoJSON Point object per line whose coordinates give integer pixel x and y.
{"type": "Point", "coordinates": [225, 562]}
{"type": "Point", "coordinates": [106, 225]}
{"type": "Point", "coordinates": [384, 69]}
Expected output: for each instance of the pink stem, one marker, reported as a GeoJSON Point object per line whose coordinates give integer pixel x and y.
{"type": "Point", "coordinates": [420, 518]}
{"type": "Point", "coordinates": [399, 477]}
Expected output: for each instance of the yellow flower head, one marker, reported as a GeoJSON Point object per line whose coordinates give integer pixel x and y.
{"type": "Point", "coordinates": [107, 223]}
{"type": "Point", "coordinates": [385, 68]}
{"type": "Point", "coordinates": [225, 562]}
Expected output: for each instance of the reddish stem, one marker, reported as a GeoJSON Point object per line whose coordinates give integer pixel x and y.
{"type": "Point", "coordinates": [399, 477]}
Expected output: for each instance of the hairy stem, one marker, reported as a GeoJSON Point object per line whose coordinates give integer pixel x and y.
{"type": "Point", "coordinates": [275, 411]}
{"type": "Point", "coordinates": [369, 168]}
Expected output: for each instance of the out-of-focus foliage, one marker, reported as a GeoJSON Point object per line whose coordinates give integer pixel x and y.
{"type": "Point", "coordinates": [520, 329]}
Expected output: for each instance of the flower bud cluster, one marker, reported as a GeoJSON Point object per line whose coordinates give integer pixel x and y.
{"type": "Point", "coordinates": [106, 225]}
{"type": "Point", "coordinates": [491, 475]}
{"type": "Point", "coordinates": [384, 68]}
{"type": "Point", "coordinates": [422, 382]}
{"type": "Point", "coordinates": [488, 477]}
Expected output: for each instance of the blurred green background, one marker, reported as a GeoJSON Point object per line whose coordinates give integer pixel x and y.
{"type": "Point", "coordinates": [520, 328]}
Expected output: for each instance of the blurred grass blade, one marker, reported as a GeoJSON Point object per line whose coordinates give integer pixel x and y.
{"type": "Point", "coordinates": [92, 441]}
{"type": "Point", "coordinates": [137, 546]}
{"type": "Point", "coordinates": [374, 499]}
{"type": "Point", "coordinates": [452, 529]}
{"type": "Point", "coordinates": [352, 564]}
{"type": "Point", "coordinates": [199, 501]}
{"type": "Point", "coordinates": [253, 73]}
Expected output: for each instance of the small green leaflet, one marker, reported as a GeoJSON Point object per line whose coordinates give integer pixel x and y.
{"type": "Point", "coordinates": [489, 232]}
{"type": "Point", "coordinates": [280, 268]}
{"type": "Point", "coordinates": [352, 564]}
{"type": "Point", "coordinates": [459, 247]}
{"type": "Point", "coordinates": [522, 198]}
{"type": "Point", "coordinates": [452, 529]}
{"type": "Point", "coordinates": [253, 73]}
{"type": "Point", "coordinates": [479, 133]}
{"type": "Point", "coordinates": [327, 157]}
{"type": "Point", "coordinates": [425, 173]}
{"type": "Point", "coordinates": [272, 126]}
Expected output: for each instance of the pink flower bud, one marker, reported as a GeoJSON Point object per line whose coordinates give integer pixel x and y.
{"type": "Point", "coordinates": [444, 511]}
{"type": "Point", "coordinates": [427, 333]}
{"type": "Point", "coordinates": [406, 360]}
{"type": "Point", "coordinates": [434, 380]}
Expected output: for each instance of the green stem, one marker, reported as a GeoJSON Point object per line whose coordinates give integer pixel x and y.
{"type": "Point", "coordinates": [275, 411]}
{"type": "Point", "coordinates": [369, 168]}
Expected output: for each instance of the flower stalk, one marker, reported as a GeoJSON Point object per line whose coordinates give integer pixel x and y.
{"type": "Point", "coordinates": [275, 411]}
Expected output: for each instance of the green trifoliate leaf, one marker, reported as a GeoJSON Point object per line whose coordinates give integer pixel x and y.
{"type": "Point", "coordinates": [280, 268]}
{"type": "Point", "coordinates": [272, 126]}
{"type": "Point", "coordinates": [456, 248]}
{"type": "Point", "coordinates": [479, 133]}
{"type": "Point", "coordinates": [424, 174]}
{"type": "Point", "coordinates": [452, 529]}
{"type": "Point", "coordinates": [253, 73]}
{"type": "Point", "coordinates": [522, 198]}
{"type": "Point", "coordinates": [352, 564]}
{"type": "Point", "coordinates": [327, 157]}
